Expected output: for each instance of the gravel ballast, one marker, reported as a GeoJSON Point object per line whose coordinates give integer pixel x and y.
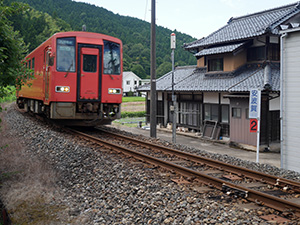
{"type": "Point", "coordinates": [80, 183]}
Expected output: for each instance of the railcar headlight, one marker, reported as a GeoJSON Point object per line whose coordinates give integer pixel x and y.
{"type": "Point", "coordinates": [114, 91]}
{"type": "Point", "coordinates": [62, 89]}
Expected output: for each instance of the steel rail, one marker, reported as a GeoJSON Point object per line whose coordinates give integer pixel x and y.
{"type": "Point", "coordinates": [231, 189]}
{"type": "Point", "coordinates": [241, 171]}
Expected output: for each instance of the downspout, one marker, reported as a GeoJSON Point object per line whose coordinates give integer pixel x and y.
{"type": "Point", "coordinates": [281, 98]}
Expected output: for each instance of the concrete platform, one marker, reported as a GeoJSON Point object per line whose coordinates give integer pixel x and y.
{"type": "Point", "coordinates": [271, 158]}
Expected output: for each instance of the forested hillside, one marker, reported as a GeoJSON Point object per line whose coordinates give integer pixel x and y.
{"type": "Point", "coordinates": [50, 16]}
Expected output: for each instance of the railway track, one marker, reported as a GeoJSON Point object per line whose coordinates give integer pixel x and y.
{"type": "Point", "coordinates": [271, 191]}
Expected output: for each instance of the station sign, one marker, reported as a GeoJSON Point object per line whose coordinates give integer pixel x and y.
{"type": "Point", "coordinates": [254, 115]}
{"type": "Point", "coordinates": [254, 103]}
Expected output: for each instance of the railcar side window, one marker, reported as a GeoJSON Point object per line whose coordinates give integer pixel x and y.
{"type": "Point", "coordinates": [111, 59]}
{"type": "Point", "coordinates": [32, 64]}
{"type": "Point", "coordinates": [65, 50]}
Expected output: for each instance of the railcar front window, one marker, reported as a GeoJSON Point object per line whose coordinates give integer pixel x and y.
{"type": "Point", "coordinates": [65, 61]}
{"type": "Point", "coordinates": [111, 59]}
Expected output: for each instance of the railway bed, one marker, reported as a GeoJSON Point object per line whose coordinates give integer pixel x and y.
{"type": "Point", "coordinates": [263, 189]}
{"type": "Point", "coordinates": [96, 185]}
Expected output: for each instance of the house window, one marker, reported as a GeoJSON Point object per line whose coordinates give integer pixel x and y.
{"type": "Point", "coordinates": [189, 113]}
{"type": "Point", "coordinates": [135, 82]}
{"type": "Point", "coordinates": [274, 52]}
{"type": "Point", "coordinates": [215, 64]}
{"type": "Point", "coordinates": [247, 113]}
{"type": "Point", "coordinates": [225, 113]}
{"type": "Point", "coordinates": [211, 112]}
{"type": "Point", "coordinates": [256, 54]}
{"type": "Point", "coordinates": [184, 97]}
{"type": "Point", "coordinates": [128, 82]}
{"type": "Point", "coordinates": [236, 112]}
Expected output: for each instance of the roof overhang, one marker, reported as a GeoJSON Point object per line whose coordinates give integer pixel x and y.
{"type": "Point", "coordinates": [221, 49]}
{"type": "Point", "coordinates": [236, 96]}
{"type": "Point", "coordinates": [289, 30]}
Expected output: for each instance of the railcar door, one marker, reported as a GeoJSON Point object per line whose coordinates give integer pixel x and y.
{"type": "Point", "coordinates": [89, 72]}
{"type": "Point", "coordinates": [46, 71]}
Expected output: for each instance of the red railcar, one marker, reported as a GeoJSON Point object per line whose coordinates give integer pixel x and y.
{"type": "Point", "coordinates": [77, 79]}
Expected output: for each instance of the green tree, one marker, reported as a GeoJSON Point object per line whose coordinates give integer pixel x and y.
{"type": "Point", "coordinates": [36, 27]}
{"type": "Point", "coordinates": [12, 50]}
{"type": "Point", "coordinates": [139, 70]}
{"type": "Point", "coordinates": [134, 33]}
{"type": "Point", "coordinates": [164, 68]}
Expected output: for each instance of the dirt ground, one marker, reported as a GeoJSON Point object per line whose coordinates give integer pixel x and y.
{"type": "Point", "coordinates": [133, 107]}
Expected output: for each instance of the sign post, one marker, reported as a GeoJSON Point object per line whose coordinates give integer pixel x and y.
{"type": "Point", "coordinates": [173, 46]}
{"type": "Point", "coordinates": [254, 115]}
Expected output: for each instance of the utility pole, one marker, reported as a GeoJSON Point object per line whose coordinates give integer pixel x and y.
{"type": "Point", "coordinates": [153, 74]}
{"type": "Point", "coordinates": [174, 107]}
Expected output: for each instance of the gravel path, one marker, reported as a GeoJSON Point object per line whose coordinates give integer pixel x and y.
{"type": "Point", "coordinates": [74, 182]}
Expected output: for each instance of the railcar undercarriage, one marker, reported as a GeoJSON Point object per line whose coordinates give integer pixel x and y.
{"type": "Point", "coordinates": [72, 113]}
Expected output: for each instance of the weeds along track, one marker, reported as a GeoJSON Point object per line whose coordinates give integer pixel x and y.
{"type": "Point", "coordinates": [238, 182]}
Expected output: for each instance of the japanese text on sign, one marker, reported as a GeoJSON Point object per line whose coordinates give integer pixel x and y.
{"type": "Point", "coordinates": [254, 103]}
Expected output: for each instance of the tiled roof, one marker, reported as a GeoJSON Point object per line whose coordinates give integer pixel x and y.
{"type": "Point", "coordinates": [218, 50]}
{"type": "Point", "coordinates": [241, 80]}
{"type": "Point", "coordinates": [165, 81]}
{"type": "Point", "coordinates": [249, 26]}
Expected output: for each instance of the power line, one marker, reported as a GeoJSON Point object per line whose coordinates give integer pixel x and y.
{"type": "Point", "coordinates": [146, 10]}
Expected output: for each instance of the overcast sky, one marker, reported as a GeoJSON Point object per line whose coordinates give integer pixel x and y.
{"type": "Point", "coordinates": [197, 18]}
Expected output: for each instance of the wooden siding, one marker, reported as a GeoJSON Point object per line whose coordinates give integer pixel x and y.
{"type": "Point", "coordinates": [291, 102]}
{"type": "Point", "coordinates": [232, 62]}
{"type": "Point", "coordinates": [239, 127]}
{"type": "Point", "coordinates": [201, 62]}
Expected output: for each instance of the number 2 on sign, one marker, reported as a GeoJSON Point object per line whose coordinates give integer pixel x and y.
{"type": "Point", "coordinates": [253, 125]}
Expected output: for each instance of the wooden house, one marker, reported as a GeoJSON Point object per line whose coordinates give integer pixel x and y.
{"type": "Point", "coordinates": [243, 54]}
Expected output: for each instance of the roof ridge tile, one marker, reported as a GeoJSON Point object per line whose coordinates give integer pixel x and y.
{"type": "Point", "coordinates": [265, 11]}
{"type": "Point", "coordinates": [247, 26]}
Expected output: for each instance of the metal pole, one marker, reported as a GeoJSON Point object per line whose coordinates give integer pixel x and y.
{"type": "Point", "coordinates": [173, 46]}
{"type": "Point", "coordinates": [258, 139]}
{"type": "Point", "coordinates": [153, 74]}
{"type": "Point", "coordinates": [258, 125]}
{"type": "Point", "coordinates": [174, 102]}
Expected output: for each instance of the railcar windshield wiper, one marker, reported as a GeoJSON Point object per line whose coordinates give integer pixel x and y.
{"type": "Point", "coordinates": [69, 69]}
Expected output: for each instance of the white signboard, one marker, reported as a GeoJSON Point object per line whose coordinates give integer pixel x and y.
{"type": "Point", "coordinates": [254, 113]}
{"type": "Point", "coordinates": [254, 103]}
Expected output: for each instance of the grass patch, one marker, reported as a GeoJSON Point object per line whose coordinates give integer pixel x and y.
{"type": "Point", "coordinates": [133, 114]}
{"type": "Point", "coordinates": [133, 99]}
